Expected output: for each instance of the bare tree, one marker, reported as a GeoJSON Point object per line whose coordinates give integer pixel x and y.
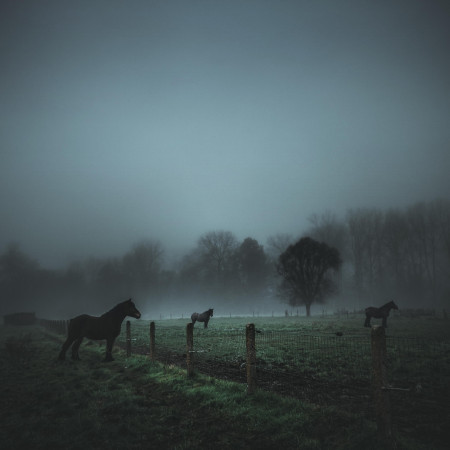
{"type": "Point", "coordinates": [366, 235]}
{"type": "Point", "coordinates": [329, 229]}
{"type": "Point", "coordinates": [217, 249]}
{"type": "Point", "coordinates": [277, 244]}
{"type": "Point", "coordinates": [395, 243]}
{"type": "Point", "coordinates": [142, 264]}
{"type": "Point", "coordinates": [253, 266]}
{"type": "Point", "coordinates": [428, 248]}
{"type": "Point", "coordinates": [19, 275]}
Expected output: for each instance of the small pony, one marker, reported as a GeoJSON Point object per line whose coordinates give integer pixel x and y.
{"type": "Point", "coordinates": [379, 313]}
{"type": "Point", "coordinates": [107, 326]}
{"type": "Point", "coordinates": [203, 317]}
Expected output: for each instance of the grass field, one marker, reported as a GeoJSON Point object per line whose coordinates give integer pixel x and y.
{"type": "Point", "coordinates": [327, 348]}
{"type": "Point", "coordinates": [134, 403]}
{"type": "Point", "coordinates": [326, 361]}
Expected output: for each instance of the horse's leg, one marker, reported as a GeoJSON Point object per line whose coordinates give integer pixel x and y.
{"type": "Point", "coordinates": [75, 348]}
{"type": "Point", "coordinates": [65, 346]}
{"type": "Point", "coordinates": [109, 346]}
{"type": "Point", "coordinates": [206, 324]}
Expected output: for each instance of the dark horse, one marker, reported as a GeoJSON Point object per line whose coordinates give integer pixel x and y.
{"type": "Point", "coordinates": [379, 313]}
{"type": "Point", "coordinates": [203, 317]}
{"type": "Point", "coordinates": [106, 327]}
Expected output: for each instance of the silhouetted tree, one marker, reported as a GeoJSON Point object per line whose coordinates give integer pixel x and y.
{"type": "Point", "coordinates": [142, 265]}
{"type": "Point", "coordinates": [366, 240]}
{"type": "Point", "coordinates": [217, 251]}
{"type": "Point", "coordinates": [304, 268]}
{"type": "Point", "coordinates": [110, 280]}
{"type": "Point", "coordinates": [395, 243]}
{"type": "Point", "coordinates": [277, 244]}
{"type": "Point", "coordinates": [329, 229]}
{"type": "Point", "coordinates": [427, 245]}
{"type": "Point", "coordinates": [190, 275]}
{"type": "Point", "coordinates": [18, 276]}
{"type": "Point", "coordinates": [253, 267]}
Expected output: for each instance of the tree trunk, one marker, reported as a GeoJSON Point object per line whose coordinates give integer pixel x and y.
{"type": "Point", "coordinates": [308, 309]}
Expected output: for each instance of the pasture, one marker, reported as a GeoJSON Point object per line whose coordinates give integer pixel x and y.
{"type": "Point", "coordinates": [326, 361]}
{"type": "Point", "coordinates": [324, 379]}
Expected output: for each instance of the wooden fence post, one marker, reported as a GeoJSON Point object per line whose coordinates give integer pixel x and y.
{"type": "Point", "coordinates": [128, 339]}
{"type": "Point", "coordinates": [190, 349]}
{"type": "Point", "coordinates": [251, 357]}
{"type": "Point", "coordinates": [152, 341]}
{"type": "Point", "coordinates": [380, 385]}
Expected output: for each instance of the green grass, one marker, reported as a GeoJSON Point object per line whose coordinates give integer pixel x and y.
{"type": "Point", "coordinates": [310, 346]}
{"type": "Point", "coordinates": [327, 361]}
{"type": "Point", "coordinates": [133, 403]}
{"type": "Point", "coordinates": [353, 324]}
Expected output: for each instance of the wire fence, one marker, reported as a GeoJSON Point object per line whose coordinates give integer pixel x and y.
{"type": "Point", "coordinates": [418, 372]}
{"type": "Point", "coordinates": [322, 369]}
{"type": "Point", "coordinates": [327, 370]}
{"type": "Point", "coordinates": [318, 367]}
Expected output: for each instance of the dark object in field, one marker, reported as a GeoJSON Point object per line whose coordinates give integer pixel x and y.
{"type": "Point", "coordinates": [24, 318]}
{"type": "Point", "coordinates": [107, 326]}
{"type": "Point", "coordinates": [379, 313]}
{"type": "Point", "coordinates": [203, 317]}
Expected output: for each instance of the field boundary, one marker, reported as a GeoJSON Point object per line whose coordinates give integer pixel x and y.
{"type": "Point", "coordinates": [383, 379]}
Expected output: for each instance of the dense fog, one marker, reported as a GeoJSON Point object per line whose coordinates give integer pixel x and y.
{"type": "Point", "coordinates": [170, 151]}
{"type": "Point", "coordinates": [401, 254]}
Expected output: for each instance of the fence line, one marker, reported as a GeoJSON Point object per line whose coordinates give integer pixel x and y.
{"type": "Point", "coordinates": [57, 326]}
{"type": "Point", "coordinates": [327, 370]}
{"type": "Point", "coordinates": [400, 376]}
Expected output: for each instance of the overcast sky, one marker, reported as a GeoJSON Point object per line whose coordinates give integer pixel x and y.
{"type": "Point", "coordinates": [126, 120]}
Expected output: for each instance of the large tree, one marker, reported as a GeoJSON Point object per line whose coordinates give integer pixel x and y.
{"type": "Point", "coordinates": [217, 250]}
{"type": "Point", "coordinates": [305, 270]}
{"type": "Point", "coordinates": [253, 266]}
{"type": "Point", "coordinates": [142, 266]}
{"type": "Point", "coordinates": [366, 238]}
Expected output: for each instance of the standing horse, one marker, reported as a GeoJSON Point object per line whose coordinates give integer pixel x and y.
{"type": "Point", "coordinates": [106, 327]}
{"type": "Point", "coordinates": [203, 317]}
{"type": "Point", "coordinates": [379, 313]}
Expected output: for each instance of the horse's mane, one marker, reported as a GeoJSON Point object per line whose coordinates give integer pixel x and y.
{"type": "Point", "coordinates": [116, 308]}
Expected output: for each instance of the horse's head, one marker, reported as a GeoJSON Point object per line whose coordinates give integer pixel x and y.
{"type": "Point", "coordinates": [131, 310]}
{"type": "Point", "coordinates": [210, 312]}
{"type": "Point", "coordinates": [393, 305]}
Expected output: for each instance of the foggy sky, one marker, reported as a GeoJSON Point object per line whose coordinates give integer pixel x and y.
{"type": "Point", "coordinates": [121, 121]}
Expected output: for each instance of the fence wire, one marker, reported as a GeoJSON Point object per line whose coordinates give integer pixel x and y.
{"type": "Point", "coordinates": [418, 371]}
{"type": "Point", "coordinates": [323, 369]}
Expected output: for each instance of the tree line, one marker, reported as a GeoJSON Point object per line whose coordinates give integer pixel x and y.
{"type": "Point", "coordinates": [376, 254]}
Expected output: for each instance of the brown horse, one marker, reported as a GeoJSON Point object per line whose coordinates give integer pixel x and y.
{"type": "Point", "coordinates": [379, 313]}
{"type": "Point", "coordinates": [203, 317]}
{"type": "Point", "coordinates": [106, 327]}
